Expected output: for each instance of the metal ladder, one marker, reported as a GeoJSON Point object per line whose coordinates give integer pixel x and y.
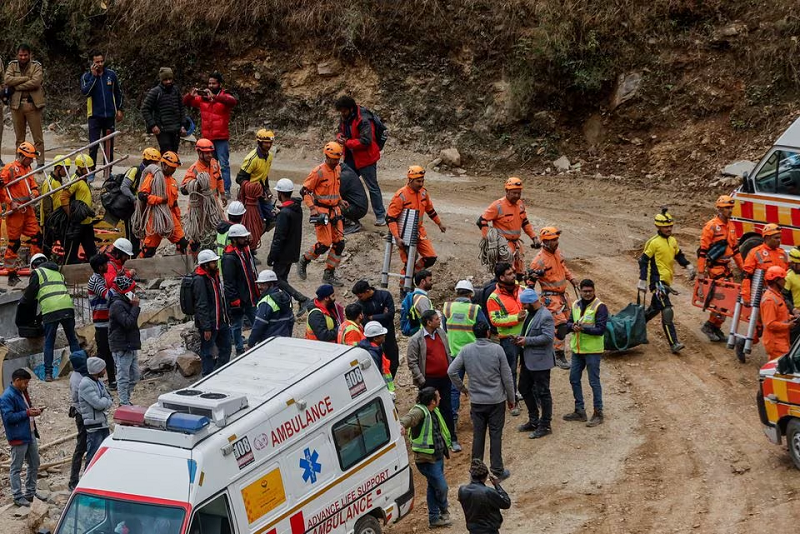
{"type": "Point", "coordinates": [408, 225]}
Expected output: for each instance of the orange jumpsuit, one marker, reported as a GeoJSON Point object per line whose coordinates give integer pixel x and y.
{"type": "Point", "coordinates": [553, 284]}
{"type": "Point", "coordinates": [213, 170]}
{"type": "Point", "coordinates": [321, 191]}
{"type": "Point", "coordinates": [775, 317]}
{"type": "Point", "coordinates": [761, 257]}
{"type": "Point", "coordinates": [22, 222]}
{"type": "Point", "coordinates": [406, 198]}
{"type": "Point", "coordinates": [152, 239]}
{"type": "Point", "coordinates": [510, 220]}
{"type": "Point", "coordinates": [716, 231]}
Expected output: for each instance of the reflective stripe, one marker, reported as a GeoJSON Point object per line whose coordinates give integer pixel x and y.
{"type": "Point", "coordinates": [582, 343]}
{"type": "Point", "coordinates": [328, 323]}
{"type": "Point", "coordinates": [53, 295]}
{"type": "Point", "coordinates": [424, 442]}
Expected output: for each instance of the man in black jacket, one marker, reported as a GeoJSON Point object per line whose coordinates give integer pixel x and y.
{"type": "Point", "coordinates": [239, 274]}
{"type": "Point", "coordinates": [481, 503]}
{"type": "Point", "coordinates": [210, 312]}
{"type": "Point", "coordinates": [285, 249]}
{"type": "Point", "coordinates": [124, 338]}
{"type": "Point", "coordinates": [378, 305]}
{"type": "Point", "coordinates": [352, 191]}
{"type": "Point", "coordinates": [164, 113]}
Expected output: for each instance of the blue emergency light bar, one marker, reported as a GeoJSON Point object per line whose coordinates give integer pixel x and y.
{"type": "Point", "coordinates": [187, 423]}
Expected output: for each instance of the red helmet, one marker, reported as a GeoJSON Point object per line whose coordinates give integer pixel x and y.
{"type": "Point", "coordinates": [204, 145]}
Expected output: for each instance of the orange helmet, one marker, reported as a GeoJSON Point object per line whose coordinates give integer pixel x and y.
{"type": "Point", "coordinates": [549, 232]}
{"type": "Point", "coordinates": [415, 171]}
{"type": "Point", "coordinates": [775, 272]}
{"type": "Point", "coordinates": [770, 229]}
{"type": "Point", "coordinates": [513, 183]}
{"type": "Point", "coordinates": [171, 159]}
{"type": "Point", "coordinates": [151, 154]}
{"type": "Point", "coordinates": [264, 135]}
{"type": "Point", "coordinates": [204, 145]}
{"type": "Point", "coordinates": [725, 201]}
{"type": "Point", "coordinates": [333, 150]}
{"type": "Point", "coordinates": [27, 150]}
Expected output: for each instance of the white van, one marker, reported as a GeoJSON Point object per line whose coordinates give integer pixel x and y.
{"type": "Point", "coordinates": [294, 436]}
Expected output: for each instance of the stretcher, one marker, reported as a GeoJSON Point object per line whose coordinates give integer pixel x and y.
{"type": "Point", "coordinates": [719, 296]}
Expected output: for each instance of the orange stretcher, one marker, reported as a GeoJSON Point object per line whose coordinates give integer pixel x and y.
{"type": "Point", "coordinates": [719, 296]}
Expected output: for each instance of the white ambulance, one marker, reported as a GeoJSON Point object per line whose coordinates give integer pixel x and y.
{"type": "Point", "coordinates": [294, 436]}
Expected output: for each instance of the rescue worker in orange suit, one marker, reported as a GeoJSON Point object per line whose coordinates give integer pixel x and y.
{"type": "Point", "coordinates": [169, 164]}
{"type": "Point", "coordinates": [414, 196]}
{"type": "Point", "coordinates": [20, 222]}
{"type": "Point", "coordinates": [550, 270]}
{"type": "Point", "coordinates": [508, 217]}
{"type": "Point", "coordinates": [321, 194]}
{"type": "Point", "coordinates": [776, 316]}
{"type": "Point", "coordinates": [718, 246]}
{"type": "Point", "coordinates": [207, 164]}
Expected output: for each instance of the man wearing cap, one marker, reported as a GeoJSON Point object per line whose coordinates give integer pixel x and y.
{"type": "Point", "coordinates": [274, 316]}
{"type": "Point", "coordinates": [26, 78]}
{"type": "Point", "coordinates": [48, 289]}
{"type": "Point", "coordinates": [205, 164]}
{"type": "Point", "coordinates": [253, 178]}
{"type": "Point", "coordinates": [323, 320]}
{"type": "Point", "coordinates": [163, 112]}
{"type": "Point", "coordinates": [491, 389]}
{"type": "Point", "coordinates": [53, 228]}
{"type": "Point", "coordinates": [124, 337]}
{"type": "Point", "coordinates": [77, 198]}
{"type": "Point", "coordinates": [239, 274]}
{"type": "Point", "coordinates": [235, 213]}
{"type": "Point", "coordinates": [353, 192]}
{"type": "Point", "coordinates": [121, 251]}
{"type": "Point", "coordinates": [162, 179]}
{"type": "Point", "coordinates": [94, 400]}
{"type": "Point", "coordinates": [776, 316]}
{"type": "Point", "coordinates": [379, 306]}
{"type": "Point", "coordinates": [22, 221]}
{"type": "Point", "coordinates": [538, 357]}
{"type": "Point", "coordinates": [130, 188]}
{"type": "Point", "coordinates": [374, 337]}
{"type": "Point", "coordinates": [508, 217]}
{"type": "Point", "coordinates": [210, 312]}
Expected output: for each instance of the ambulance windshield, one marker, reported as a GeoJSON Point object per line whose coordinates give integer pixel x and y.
{"type": "Point", "coordinates": [89, 514]}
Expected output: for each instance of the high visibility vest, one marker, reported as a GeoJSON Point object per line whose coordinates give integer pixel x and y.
{"type": "Point", "coordinates": [461, 316]}
{"type": "Point", "coordinates": [423, 442]}
{"type": "Point", "coordinates": [222, 242]}
{"type": "Point", "coordinates": [275, 308]}
{"type": "Point", "coordinates": [329, 324]}
{"type": "Point", "coordinates": [53, 295]}
{"type": "Point", "coordinates": [503, 314]}
{"type": "Point", "coordinates": [344, 329]}
{"type": "Point", "coordinates": [582, 343]}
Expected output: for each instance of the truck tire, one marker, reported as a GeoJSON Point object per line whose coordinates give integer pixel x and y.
{"type": "Point", "coordinates": [793, 440]}
{"type": "Point", "coordinates": [369, 523]}
{"type": "Point", "coordinates": [749, 244]}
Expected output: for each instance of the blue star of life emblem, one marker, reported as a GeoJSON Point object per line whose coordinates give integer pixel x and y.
{"type": "Point", "coordinates": [310, 465]}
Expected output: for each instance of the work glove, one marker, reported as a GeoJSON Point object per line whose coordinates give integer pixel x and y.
{"type": "Point", "coordinates": [642, 285]}
{"type": "Point", "coordinates": [692, 272]}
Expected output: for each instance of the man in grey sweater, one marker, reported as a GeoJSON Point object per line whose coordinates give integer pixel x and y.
{"type": "Point", "coordinates": [491, 389]}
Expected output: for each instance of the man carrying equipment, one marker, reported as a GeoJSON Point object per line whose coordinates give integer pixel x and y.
{"type": "Point", "coordinates": [255, 169]}
{"type": "Point", "coordinates": [130, 187]}
{"type": "Point", "coordinates": [23, 221]}
{"type": "Point", "coordinates": [206, 164]}
{"type": "Point", "coordinates": [161, 225]}
{"type": "Point", "coordinates": [79, 196]}
{"type": "Point", "coordinates": [763, 257]}
{"type": "Point", "coordinates": [775, 314]}
{"type": "Point", "coordinates": [53, 228]}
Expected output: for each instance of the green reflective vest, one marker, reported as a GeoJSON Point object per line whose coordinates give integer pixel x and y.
{"type": "Point", "coordinates": [222, 242]}
{"type": "Point", "coordinates": [423, 442]}
{"type": "Point", "coordinates": [461, 316]}
{"type": "Point", "coordinates": [270, 302]}
{"type": "Point", "coordinates": [53, 295]}
{"type": "Point", "coordinates": [584, 343]}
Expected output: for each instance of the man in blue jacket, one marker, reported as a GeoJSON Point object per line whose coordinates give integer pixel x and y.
{"type": "Point", "coordinates": [378, 305]}
{"type": "Point", "coordinates": [104, 101]}
{"type": "Point", "coordinates": [20, 426]}
{"type": "Point", "coordinates": [274, 316]}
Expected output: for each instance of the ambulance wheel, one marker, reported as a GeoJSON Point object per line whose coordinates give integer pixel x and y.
{"type": "Point", "coordinates": [793, 440]}
{"type": "Point", "coordinates": [368, 525]}
{"type": "Point", "coordinates": [749, 244]}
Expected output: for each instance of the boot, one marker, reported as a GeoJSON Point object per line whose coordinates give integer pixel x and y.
{"type": "Point", "coordinates": [677, 347]}
{"type": "Point", "coordinates": [301, 268]}
{"type": "Point", "coordinates": [540, 432]}
{"type": "Point", "coordinates": [13, 278]}
{"type": "Point", "coordinates": [561, 360]}
{"type": "Point", "coordinates": [577, 415]}
{"type": "Point", "coordinates": [304, 306]}
{"type": "Point", "coordinates": [740, 351]}
{"type": "Point", "coordinates": [720, 334]}
{"type": "Point", "coordinates": [527, 427]}
{"type": "Point", "coordinates": [710, 330]}
{"type": "Point", "coordinates": [516, 411]}
{"type": "Point", "coordinates": [597, 419]}
{"type": "Point", "coordinates": [329, 277]}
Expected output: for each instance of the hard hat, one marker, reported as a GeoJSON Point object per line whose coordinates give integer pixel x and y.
{"type": "Point", "coordinates": [664, 218]}
{"type": "Point", "coordinates": [84, 161]}
{"type": "Point", "coordinates": [238, 230]}
{"type": "Point", "coordinates": [265, 135]}
{"type": "Point", "coordinates": [770, 229]}
{"type": "Point", "coordinates": [374, 329]}
{"type": "Point", "coordinates": [513, 183]}
{"type": "Point", "coordinates": [465, 285]}
{"type": "Point", "coordinates": [27, 150]}
{"type": "Point", "coordinates": [151, 154]}
{"type": "Point", "coordinates": [204, 145]}
{"type": "Point", "coordinates": [774, 273]}
{"type": "Point", "coordinates": [794, 255]}
{"type": "Point", "coordinates": [415, 171]}
{"type": "Point", "coordinates": [206, 256]}
{"type": "Point", "coordinates": [171, 159]}
{"type": "Point", "coordinates": [61, 161]}
{"type": "Point", "coordinates": [333, 150]}
{"type": "Point", "coordinates": [284, 185]}
{"type": "Point", "coordinates": [236, 208]}
{"type": "Point", "coordinates": [265, 276]}
{"type": "Point", "coordinates": [37, 259]}
{"type": "Point", "coordinates": [549, 232]}
{"type": "Point", "coordinates": [725, 201]}
{"type": "Point", "coordinates": [123, 245]}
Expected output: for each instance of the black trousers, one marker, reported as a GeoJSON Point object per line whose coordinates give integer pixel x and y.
{"type": "Point", "coordinates": [86, 240]}
{"type": "Point", "coordinates": [77, 455]}
{"type": "Point", "coordinates": [104, 352]}
{"type": "Point", "coordinates": [169, 141]}
{"type": "Point", "coordinates": [443, 386]}
{"type": "Point", "coordinates": [282, 272]}
{"type": "Point", "coordinates": [493, 418]}
{"type": "Point", "coordinates": [534, 386]}
{"type": "Point", "coordinates": [132, 238]}
{"type": "Point", "coordinates": [391, 351]}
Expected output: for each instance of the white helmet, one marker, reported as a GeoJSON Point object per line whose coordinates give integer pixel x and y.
{"type": "Point", "coordinates": [284, 185]}
{"type": "Point", "coordinates": [265, 276]}
{"type": "Point", "coordinates": [465, 285]}
{"type": "Point", "coordinates": [37, 258]}
{"type": "Point", "coordinates": [238, 230]}
{"type": "Point", "coordinates": [206, 256]}
{"type": "Point", "coordinates": [374, 329]}
{"type": "Point", "coordinates": [123, 245]}
{"type": "Point", "coordinates": [236, 208]}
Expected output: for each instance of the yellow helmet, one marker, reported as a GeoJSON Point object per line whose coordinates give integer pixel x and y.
{"type": "Point", "coordinates": [333, 150]}
{"type": "Point", "coordinates": [84, 161]}
{"type": "Point", "coordinates": [415, 171]}
{"type": "Point", "coordinates": [770, 229]}
{"type": "Point", "coordinates": [794, 255]}
{"type": "Point", "coordinates": [151, 154]}
{"type": "Point", "coordinates": [549, 232]}
{"type": "Point", "coordinates": [513, 183]}
{"type": "Point", "coordinates": [663, 219]}
{"type": "Point", "coordinates": [265, 135]}
{"type": "Point", "coordinates": [725, 201]}
{"type": "Point", "coordinates": [171, 159]}
{"type": "Point", "coordinates": [61, 161]}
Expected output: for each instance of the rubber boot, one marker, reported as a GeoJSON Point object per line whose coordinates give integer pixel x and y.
{"type": "Point", "coordinates": [577, 415]}
{"type": "Point", "coordinates": [561, 360]}
{"type": "Point", "coordinates": [302, 265]}
{"type": "Point", "coordinates": [329, 277]}
{"type": "Point", "coordinates": [711, 331]}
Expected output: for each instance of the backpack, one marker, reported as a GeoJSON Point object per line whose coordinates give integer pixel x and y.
{"type": "Point", "coordinates": [409, 322]}
{"type": "Point", "coordinates": [187, 294]}
{"type": "Point", "coordinates": [378, 128]}
{"type": "Point", "coordinates": [116, 203]}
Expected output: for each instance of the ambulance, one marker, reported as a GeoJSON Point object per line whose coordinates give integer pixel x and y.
{"type": "Point", "coordinates": [779, 401]}
{"type": "Point", "coordinates": [771, 194]}
{"type": "Point", "coordinates": [294, 436]}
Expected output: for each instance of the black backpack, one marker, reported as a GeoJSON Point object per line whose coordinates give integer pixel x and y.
{"type": "Point", "coordinates": [116, 203]}
{"type": "Point", "coordinates": [187, 294]}
{"type": "Point", "coordinates": [379, 129]}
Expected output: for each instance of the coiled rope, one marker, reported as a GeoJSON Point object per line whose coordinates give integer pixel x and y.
{"type": "Point", "coordinates": [251, 192]}
{"type": "Point", "coordinates": [494, 249]}
{"type": "Point", "coordinates": [151, 219]}
{"type": "Point", "coordinates": [205, 212]}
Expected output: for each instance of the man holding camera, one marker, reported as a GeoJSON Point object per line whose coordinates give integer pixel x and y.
{"type": "Point", "coordinates": [104, 101]}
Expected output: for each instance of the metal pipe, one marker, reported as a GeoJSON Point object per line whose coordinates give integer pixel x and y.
{"type": "Point", "coordinates": [737, 312]}
{"type": "Point", "coordinates": [756, 288]}
{"type": "Point", "coordinates": [387, 261]}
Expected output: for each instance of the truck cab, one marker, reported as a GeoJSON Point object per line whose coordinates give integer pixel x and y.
{"type": "Point", "coordinates": [779, 401]}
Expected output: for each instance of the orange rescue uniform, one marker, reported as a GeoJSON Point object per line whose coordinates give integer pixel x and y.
{"type": "Point", "coordinates": [321, 191]}
{"type": "Point", "coordinates": [213, 170]}
{"type": "Point", "coordinates": [23, 222]}
{"type": "Point", "coordinates": [350, 333]}
{"type": "Point", "coordinates": [510, 220]}
{"type": "Point", "coordinates": [407, 198]}
{"type": "Point", "coordinates": [761, 257]}
{"type": "Point", "coordinates": [718, 232]}
{"type": "Point", "coordinates": [152, 239]}
{"type": "Point", "coordinates": [775, 316]}
{"type": "Point", "coordinates": [553, 283]}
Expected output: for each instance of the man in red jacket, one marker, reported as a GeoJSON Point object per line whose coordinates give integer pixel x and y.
{"type": "Point", "coordinates": [357, 135]}
{"type": "Point", "coordinates": [215, 105]}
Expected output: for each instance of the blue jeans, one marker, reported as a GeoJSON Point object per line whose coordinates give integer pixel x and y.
{"type": "Point", "coordinates": [223, 151]}
{"type": "Point", "coordinates": [237, 319]}
{"type": "Point", "coordinates": [50, 330]}
{"type": "Point", "coordinates": [25, 453]}
{"type": "Point", "coordinates": [579, 363]}
{"type": "Point", "coordinates": [512, 356]}
{"type": "Point", "coordinates": [437, 488]}
{"type": "Point", "coordinates": [93, 441]}
{"type": "Point", "coordinates": [370, 176]}
{"type": "Point", "coordinates": [455, 396]}
{"type": "Point", "coordinates": [127, 364]}
{"type": "Point", "coordinates": [222, 339]}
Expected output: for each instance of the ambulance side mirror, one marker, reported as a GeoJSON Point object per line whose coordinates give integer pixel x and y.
{"type": "Point", "coordinates": [785, 365]}
{"type": "Point", "coordinates": [747, 184]}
